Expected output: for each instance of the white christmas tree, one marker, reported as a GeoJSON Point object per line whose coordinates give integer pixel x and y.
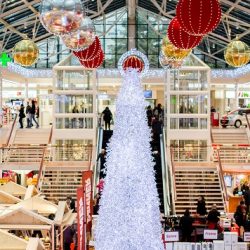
{"type": "Point", "coordinates": [129, 215]}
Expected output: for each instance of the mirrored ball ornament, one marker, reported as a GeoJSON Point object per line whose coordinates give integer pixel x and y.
{"type": "Point", "coordinates": [25, 53]}
{"type": "Point", "coordinates": [61, 16]}
{"type": "Point", "coordinates": [82, 38]}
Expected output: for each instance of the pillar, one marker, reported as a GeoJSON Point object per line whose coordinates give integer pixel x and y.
{"type": "Point", "coordinates": [131, 23]}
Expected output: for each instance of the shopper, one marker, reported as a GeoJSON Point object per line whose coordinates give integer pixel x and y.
{"type": "Point", "coordinates": [102, 158]}
{"type": "Point", "coordinates": [201, 206]}
{"type": "Point", "coordinates": [149, 115]}
{"type": "Point", "coordinates": [96, 204]}
{"type": "Point", "coordinates": [107, 117]}
{"type": "Point", "coordinates": [71, 203]}
{"type": "Point", "coordinates": [213, 218]}
{"type": "Point", "coordinates": [247, 197]}
{"type": "Point", "coordinates": [21, 115]}
{"type": "Point", "coordinates": [28, 115]}
{"type": "Point", "coordinates": [186, 226]}
{"type": "Point", "coordinates": [68, 236]}
{"type": "Point", "coordinates": [240, 214]}
{"type": "Point", "coordinates": [33, 112]}
{"type": "Point", "coordinates": [74, 110]}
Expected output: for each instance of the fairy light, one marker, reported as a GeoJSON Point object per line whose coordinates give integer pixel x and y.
{"type": "Point", "coordinates": [198, 23]}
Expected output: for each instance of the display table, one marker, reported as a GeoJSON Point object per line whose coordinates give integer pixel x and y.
{"type": "Point", "coordinates": [234, 201]}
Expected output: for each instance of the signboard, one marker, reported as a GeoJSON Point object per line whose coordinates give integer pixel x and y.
{"type": "Point", "coordinates": [172, 236]}
{"type": "Point", "coordinates": [87, 186]}
{"type": "Point", "coordinates": [247, 236]}
{"type": "Point", "coordinates": [81, 219]}
{"type": "Point", "coordinates": [210, 234]}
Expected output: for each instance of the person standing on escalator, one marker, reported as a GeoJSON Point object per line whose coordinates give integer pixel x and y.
{"type": "Point", "coordinates": [107, 117]}
{"type": "Point", "coordinates": [21, 115]}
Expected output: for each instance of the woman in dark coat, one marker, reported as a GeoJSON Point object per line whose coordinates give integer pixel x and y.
{"type": "Point", "coordinates": [21, 115]}
{"type": "Point", "coordinates": [186, 225]}
{"type": "Point", "coordinates": [201, 206]}
{"type": "Point", "coordinates": [107, 117]}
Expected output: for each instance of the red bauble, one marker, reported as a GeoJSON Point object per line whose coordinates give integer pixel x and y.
{"type": "Point", "coordinates": [133, 62]}
{"type": "Point", "coordinates": [91, 52]}
{"type": "Point", "coordinates": [180, 38]}
{"type": "Point", "coordinates": [198, 17]}
{"type": "Point", "coordinates": [95, 62]}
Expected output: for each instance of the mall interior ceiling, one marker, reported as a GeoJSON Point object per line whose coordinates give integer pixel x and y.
{"type": "Point", "coordinates": [19, 19]}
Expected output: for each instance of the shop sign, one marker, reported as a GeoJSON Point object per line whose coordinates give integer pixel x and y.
{"type": "Point", "coordinates": [87, 185]}
{"type": "Point", "coordinates": [81, 219]}
{"type": "Point", "coordinates": [172, 236]}
{"type": "Point", "coordinates": [210, 234]}
{"type": "Point", "coordinates": [247, 236]}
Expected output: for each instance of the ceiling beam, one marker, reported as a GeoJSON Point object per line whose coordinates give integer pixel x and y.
{"type": "Point", "coordinates": [17, 9]}
{"type": "Point", "coordinates": [236, 6]}
{"type": "Point", "coordinates": [10, 27]}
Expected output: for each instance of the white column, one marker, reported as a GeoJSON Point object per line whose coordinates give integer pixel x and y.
{"type": "Point", "coordinates": [236, 95]}
{"type": "Point", "coordinates": [26, 89]}
{"type": "Point", "coordinates": [131, 23]}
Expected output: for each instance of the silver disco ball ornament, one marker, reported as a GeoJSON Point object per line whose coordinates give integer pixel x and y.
{"type": "Point", "coordinates": [82, 38]}
{"type": "Point", "coordinates": [60, 17]}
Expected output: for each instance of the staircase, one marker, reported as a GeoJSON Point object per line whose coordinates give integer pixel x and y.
{"type": "Point", "coordinates": [32, 136]}
{"type": "Point", "coordinates": [57, 185]}
{"type": "Point", "coordinates": [193, 182]}
{"type": "Point", "coordinates": [230, 136]}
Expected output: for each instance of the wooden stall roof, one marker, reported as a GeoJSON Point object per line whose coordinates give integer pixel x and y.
{"type": "Point", "coordinates": [8, 199]}
{"type": "Point", "coordinates": [10, 241]}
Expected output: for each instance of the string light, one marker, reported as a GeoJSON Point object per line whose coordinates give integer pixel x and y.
{"type": "Point", "coordinates": [111, 73]}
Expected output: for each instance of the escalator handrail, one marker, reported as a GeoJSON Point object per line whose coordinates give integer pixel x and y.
{"type": "Point", "coordinates": [165, 177]}
{"type": "Point", "coordinates": [11, 131]}
{"type": "Point", "coordinates": [96, 167]}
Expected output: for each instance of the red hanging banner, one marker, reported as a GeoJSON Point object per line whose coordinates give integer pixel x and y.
{"type": "Point", "coordinates": [81, 219]}
{"type": "Point", "coordinates": [87, 185]}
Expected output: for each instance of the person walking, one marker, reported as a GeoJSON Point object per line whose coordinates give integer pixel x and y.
{"type": "Point", "coordinates": [240, 215]}
{"type": "Point", "coordinates": [107, 117]}
{"type": "Point", "coordinates": [33, 112]}
{"type": "Point", "coordinates": [68, 236]}
{"type": "Point", "coordinates": [28, 115]}
{"type": "Point", "coordinates": [201, 206]}
{"type": "Point", "coordinates": [213, 218]}
{"type": "Point", "coordinates": [21, 115]}
{"type": "Point", "coordinates": [149, 115]}
{"type": "Point", "coordinates": [186, 225]}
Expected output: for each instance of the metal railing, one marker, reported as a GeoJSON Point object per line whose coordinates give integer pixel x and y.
{"type": "Point", "coordinates": [222, 182]}
{"type": "Point", "coordinates": [234, 154]}
{"type": "Point", "coordinates": [97, 166]}
{"type": "Point", "coordinates": [12, 129]}
{"type": "Point", "coordinates": [172, 174]}
{"type": "Point", "coordinates": [190, 153]}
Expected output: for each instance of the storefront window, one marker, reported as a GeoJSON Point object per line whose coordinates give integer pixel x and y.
{"type": "Point", "coordinates": [189, 150]}
{"type": "Point", "coordinates": [68, 80]}
{"type": "Point", "coordinates": [74, 104]}
{"type": "Point", "coordinates": [74, 123]}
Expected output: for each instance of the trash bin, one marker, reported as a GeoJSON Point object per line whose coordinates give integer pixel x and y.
{"type": "Point", "coordinates": [215, 119]}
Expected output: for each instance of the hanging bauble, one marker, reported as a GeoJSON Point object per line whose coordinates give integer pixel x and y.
{"type": "Point", "coordinates": [82, 38]}
{"type": "Point", "coordinates": [237, 53]}
{"type": "Point", "coordinates": [133, 62]}
{"type": "Point", "coordinates": [61, 17]}
{"type": "Point", "coordinates": [91, 52]}
{"type": "Point", "coordinates": [25, 53]}
{"type": "Point", "coordinates": [180, 38]}
{"type": "Point", "coordinates": [198, 17]}
{"type": "Point", "coordinates": [170, 51]}
{"type": "Point", "coordinates": [95, 62]}
{"type": "Point", "coordinates": [169, 63]}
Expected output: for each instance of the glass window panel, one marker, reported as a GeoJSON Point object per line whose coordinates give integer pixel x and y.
{"type": "Point", "coordinates": [74, 123]}
{"type": "Point", "coordinates": [110, 61]}
{"type": "Point", "coordinates": [122, 31]}
{"type": "Point", "coordinates": [173, 104]}
{"type": "Point", "coordinates": [74, 104]}
{"type": "Point", "coordinates": [153, 47]}
{"type": "Point", "coordinates": [122, 46]}
{"type": "Point", "coordinates": [110, 31]}
{"type": "Point", "coordinates": [110, 46]}
{"type": "Point", "coordinates": [173, 123]}
{"type": "Point", "coordinates": [203, 123]}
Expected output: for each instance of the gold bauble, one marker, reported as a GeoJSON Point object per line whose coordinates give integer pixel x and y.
{"type": "Point", "coordinates": [25, 53]}
{"type": "Point", "coordinates": [170, 51]}
{"type": "Point", "coordinates": [237, 53]}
